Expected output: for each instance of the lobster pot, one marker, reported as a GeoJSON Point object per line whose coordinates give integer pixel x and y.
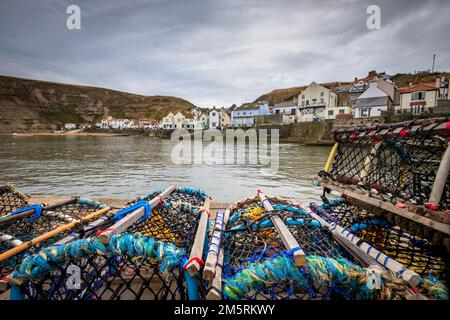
{"type": "Point", "coordinates": [145, 262]}
{"type": "Point", "coordinates": [11, 199]}
{"type": "Point", "coordinates": [251, 241]}
{"type": "Point", "coordinates": [130, 268]}
{"type": "Point", "coordinates": [417, 254]}
{"type": "Point", "coordinates": [400, 163]}
{"type": "Point", "coordinates": [16, 231]}
{"type": "Point", "coordinates": [175, 219]}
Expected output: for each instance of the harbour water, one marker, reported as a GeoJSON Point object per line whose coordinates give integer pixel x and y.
{"type": "Point", "coordinates": [125, 167]}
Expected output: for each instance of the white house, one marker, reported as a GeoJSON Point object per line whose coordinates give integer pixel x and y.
{"type": "Point", "coordinates": [288, 109]}
{"type": "Point", "coordinates": [313, 102]}
{"type": "Point", "coordinates": [168, 122]}
{"type": "Point", "coordinates": [70, 126]}
{"type": "Point", "coordinates": [372, 102]}
{"type": "Point", "coordinates": [419, 98]}
{"type": "Point", "coordinates": [214, 119]}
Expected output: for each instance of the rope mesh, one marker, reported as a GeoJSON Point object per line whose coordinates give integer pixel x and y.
{"type": "Point", "coordinates": [24, 229]}
{"type": "Point", "coordinates": [399, 166]}
{"type": "Point", "coordinates": [134, 268]}
{"type": "Point", "coordinates": [11, 200]}
{"type": "Point", "coordinates": [415, 253]}
{"type": "Point", "coordinates": [251, 239]}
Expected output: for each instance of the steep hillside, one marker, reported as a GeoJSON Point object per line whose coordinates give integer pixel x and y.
{"type": "Point", "coordinates": [400, 79]}
{"type": "Point", "coordinates": [40, 105]}
{"type": "Point", "coordinates": [404, 79]}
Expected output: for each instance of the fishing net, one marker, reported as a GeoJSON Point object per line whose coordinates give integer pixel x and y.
{"type": "Point", "coordinates": [321, 278]}
{"type": "Point", "coordinates": [17, 231]}
{"type": "Point", "coordinates": [174, 219]}
{"type": "Point", "coordinates": [130, 267]}
{"type": "Point", "coordinates": [145, 262]}
{"type": "Point", "coordinates": [397, 163]}
{"type": "Point", "coordinates": [415, 253]}
{"type": "Point", "coordinates": [11, 200]}
{"type": "Point", "coordinates": [251, 239]}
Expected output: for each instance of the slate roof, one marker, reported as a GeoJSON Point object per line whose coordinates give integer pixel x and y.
{"type": "Point", "coordinates": [371, 102]}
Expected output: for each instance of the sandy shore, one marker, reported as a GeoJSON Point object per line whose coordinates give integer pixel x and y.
{"type": "Point", "coordinates": [69, 133]}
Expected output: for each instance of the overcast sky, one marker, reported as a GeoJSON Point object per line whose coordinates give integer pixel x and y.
{"type": "Point", "coordinates": [218, 52]}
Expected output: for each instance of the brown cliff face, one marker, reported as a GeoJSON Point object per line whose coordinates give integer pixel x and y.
{"type": "Point", "coordinates": [32, 105]}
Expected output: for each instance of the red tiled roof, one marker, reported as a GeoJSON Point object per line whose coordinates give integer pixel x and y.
{"type": "Point", "coordinates": [419, 87]}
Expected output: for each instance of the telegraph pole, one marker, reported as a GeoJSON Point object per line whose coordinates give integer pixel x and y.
{"type": "Point", "coordinates": [434, 58]}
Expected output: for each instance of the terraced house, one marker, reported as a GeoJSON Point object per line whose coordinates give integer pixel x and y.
{"type": "Point", "coordinates": [422, 97]}
{"type": "Point", "coordinates": [244, 116]}
{"type": "Point", "coordinates": [314, 101]}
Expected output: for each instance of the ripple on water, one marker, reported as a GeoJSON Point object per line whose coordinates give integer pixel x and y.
{"type": "Point", "coordinates": [124, 167]}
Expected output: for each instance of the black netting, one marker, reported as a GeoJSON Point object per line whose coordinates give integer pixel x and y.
{"type": "Point", "coordinates": [23, 229]}
{"type": "Point", "coordinates": [119, 276]}
{"type": "Point", "coordinates": [250, 238]}
{"type": "Point", "coordinates": [399, 166]}
{"type": "Point", "coordinates": [414, 252]}
{"type": "Point", "coordinates": [11, 200]}
{"type": "Point", "coordinates": [110, 277]}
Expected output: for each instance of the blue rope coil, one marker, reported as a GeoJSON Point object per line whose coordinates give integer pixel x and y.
{"type": "Point", "coordinates": [128, 245]}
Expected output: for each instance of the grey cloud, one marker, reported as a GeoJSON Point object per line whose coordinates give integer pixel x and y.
{"type": "Point", "coordinates": [218, 52]}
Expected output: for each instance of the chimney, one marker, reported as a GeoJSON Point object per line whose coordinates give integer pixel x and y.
{"type": "Point", "coordinates": [410, 84]}
{"type": "Point", "coordinates": [438, 82]}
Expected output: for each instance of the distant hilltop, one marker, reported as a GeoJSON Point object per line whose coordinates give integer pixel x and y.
{"type": "Point", "coordinates": [40, 105]}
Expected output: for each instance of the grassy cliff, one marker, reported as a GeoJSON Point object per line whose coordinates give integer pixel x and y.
{"type": "Point", "coordinates": [39, 105]}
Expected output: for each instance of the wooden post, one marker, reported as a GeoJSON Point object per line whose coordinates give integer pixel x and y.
{"type": "Point", "coordinates": [217, 232]}
{"type": "Point", "coordinates": [441, 179]}
{"type": "Point", "coordinates": [194, 267]}
{"type": "Point", "coordinates": [10, 217]}
{"type": "Point", "coordinates": [360, 255]}
{"type": "Point", "coordinates": [368, 163]}
{"type": "Point", "coordinates": [215, 289]}
{"type": "Point", "coordinates": [409, 276]}
{"type": "Point", "coordinates": [8, 238]}
{"type": "Point", "coordinates": [286, 236]}
{"type": "Point", "coordinates": [123, 224]}
{"type": "Point", "coordinates": [331, 157]}
{"type": "Point", "coordinates": [12, 252]}
{"type": "Point", "coordinates": [439, 226]}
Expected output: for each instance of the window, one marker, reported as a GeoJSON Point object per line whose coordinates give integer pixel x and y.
{"type": "Point", "coordinates": [341, 111]}
{"type": "Point", "coordinates": [307, 102]}
{"type": "Point", "coordinates": [303, 103]}
{"type": "Point", "coordinates": [293, 110]}
{"type": "Point", "coordinates": [277, 111]}
{"type": "Point", "coordinates": [330, 112]}
{"type": "Point", "coordinates": [244, 113]}
{"type": "Point", "coordinates": [321, 93]}
{"type": "Point", "coordinates": [214, 114]}
{"type": "Point", "coordinates": [365, 112]}
{"type": "Point", "coordinates": [321, 100]}
{"type": "Point", "coordinates": [303, 96]}
{"type": "Point", "coordinates": [419, 95]}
